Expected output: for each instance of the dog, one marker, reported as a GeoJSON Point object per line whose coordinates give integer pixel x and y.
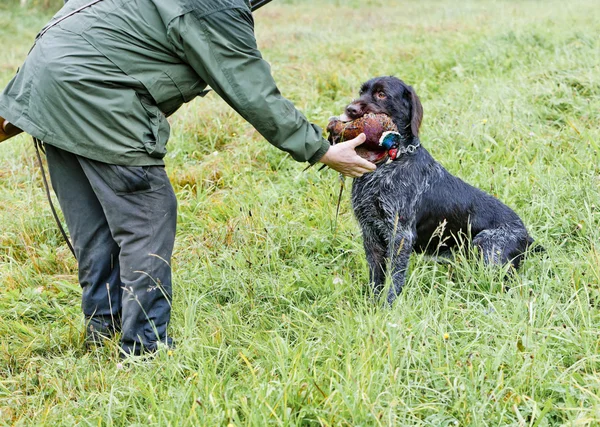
{"type": "Point", "coordinates": [412, 203]}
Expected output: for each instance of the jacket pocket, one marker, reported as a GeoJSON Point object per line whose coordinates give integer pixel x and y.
{"type": "Point", "coordinates": [125, 179]}
{"type": "Point", "coordinates": [155, 141]}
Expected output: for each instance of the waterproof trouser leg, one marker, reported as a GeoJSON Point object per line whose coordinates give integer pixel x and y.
{"type": "Point", "coordinates": [122, 222]}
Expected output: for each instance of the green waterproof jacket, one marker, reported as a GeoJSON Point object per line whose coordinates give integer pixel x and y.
{"type": "Point", "coordinates": [101, 82]}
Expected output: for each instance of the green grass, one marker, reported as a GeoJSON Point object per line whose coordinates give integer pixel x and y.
{"type": "Point", "coordinates": [271, 314]}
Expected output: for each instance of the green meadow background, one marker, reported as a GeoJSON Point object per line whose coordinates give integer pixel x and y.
{"type": "Point", "coordinates": [272, 316]}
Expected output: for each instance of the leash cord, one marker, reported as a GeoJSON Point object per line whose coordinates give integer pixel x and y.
{"type": "Point", "coordinates": [38, 145]}
{"type": "Point", "coordinates": [339, 202]}
{"type": "Point", "coordinates": [62, 18]}
{"type": "Point", "coordinates": [257, 4]}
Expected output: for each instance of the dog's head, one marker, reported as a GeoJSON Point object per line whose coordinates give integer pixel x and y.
{"type": "Point", "coordinates": [389, 95]}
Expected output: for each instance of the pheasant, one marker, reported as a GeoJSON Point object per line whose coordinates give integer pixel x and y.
{"type": "Point", "coordinates": [372, 125]}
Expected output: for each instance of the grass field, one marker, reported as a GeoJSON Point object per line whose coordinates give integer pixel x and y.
{"type": "Point", "coordinates": [272, 318]}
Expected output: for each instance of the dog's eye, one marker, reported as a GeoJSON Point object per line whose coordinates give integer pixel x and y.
{"type": "Point", "coordinates": [380, 95]}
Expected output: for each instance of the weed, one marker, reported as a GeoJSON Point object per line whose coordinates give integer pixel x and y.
{"type": "Point", "coordinates": [272, 316]}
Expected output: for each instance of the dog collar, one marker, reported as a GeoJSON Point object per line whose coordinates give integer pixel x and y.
{"type": "Point", "coordinates": [391, 142]}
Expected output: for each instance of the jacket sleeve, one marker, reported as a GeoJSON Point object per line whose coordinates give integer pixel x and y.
{"type": "Point", "coordinates": [221, 47]}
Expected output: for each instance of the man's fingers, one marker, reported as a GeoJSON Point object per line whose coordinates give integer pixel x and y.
{"type": "Point", "coordinates": [356, 172]}
{"type": "Point", "coordinates": [357, 141]}
{"type": "Point", "coordinates": [365, 164]}
{"type": "Point", "coordinates": [344, 159]}
{"type": "Point", "coordinates": [360, 161]}
{"type": "Point", "coordinates": [370, 166]}
{"type": "Point", "coordinates": [362, 170]}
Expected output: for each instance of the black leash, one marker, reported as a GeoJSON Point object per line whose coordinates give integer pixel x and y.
{"type": "Point", "coordinates": [339, 202]}
{"type": "Point", "coordinates": [257, 4]}
{"type": "Point", "coordinates": [59, 20]}
{"type": "Point", "coordinates": [38, 146]}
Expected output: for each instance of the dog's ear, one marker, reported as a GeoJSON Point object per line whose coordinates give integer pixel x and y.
{"type": "Point", "coordinates": [416, 110]}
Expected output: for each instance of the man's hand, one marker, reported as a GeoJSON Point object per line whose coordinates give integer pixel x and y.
{"type": "Point", "coordinates": [342, 157]}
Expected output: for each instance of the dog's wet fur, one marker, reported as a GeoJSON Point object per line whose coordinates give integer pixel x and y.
{"type": "Point", "coordinates": [414, 204]}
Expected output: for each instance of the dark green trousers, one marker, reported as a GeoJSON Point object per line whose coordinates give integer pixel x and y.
{"type": "Point", "coordinates": [122, 223]}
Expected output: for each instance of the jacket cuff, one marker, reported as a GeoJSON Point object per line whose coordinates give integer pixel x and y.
{"type": "Point", "coordinates": [320, 153]}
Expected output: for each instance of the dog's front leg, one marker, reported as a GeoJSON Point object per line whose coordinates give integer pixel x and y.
{"type": "Point", "coordinates": [402, 246]}
{"type": "Point", "coordinates": [376, 251]}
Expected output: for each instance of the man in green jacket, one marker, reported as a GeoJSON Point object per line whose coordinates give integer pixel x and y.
{"type": "Point", "coordinates": [97, 87]}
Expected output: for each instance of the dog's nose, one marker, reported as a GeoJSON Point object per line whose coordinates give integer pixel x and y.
{"type": "Point", "coordinates": [354, 111]}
